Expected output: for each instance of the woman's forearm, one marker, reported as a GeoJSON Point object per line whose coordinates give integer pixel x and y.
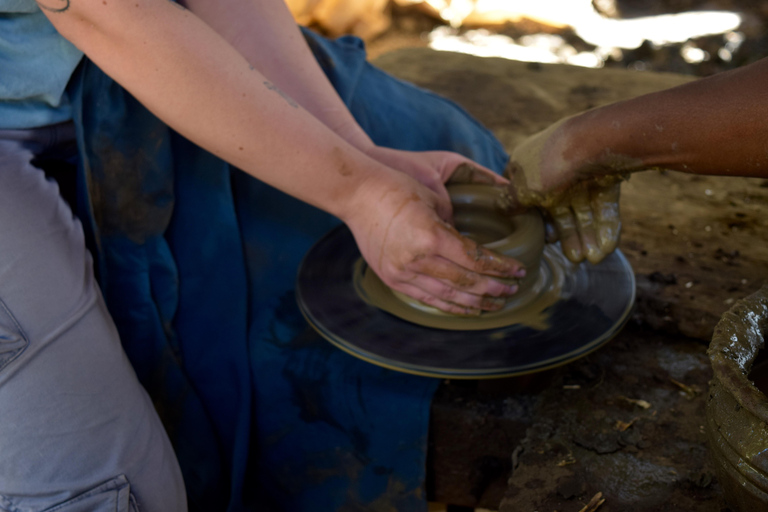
{"type": "Point", "coordinates": [193, 79]}
{"type": "Point", "coordinates": [266, 35]}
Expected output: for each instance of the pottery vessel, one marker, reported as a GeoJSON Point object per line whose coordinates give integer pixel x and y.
{"type": "Point", "coordinates": [737, 412]}
{"type": "Point", "coordinates": [478, 214]}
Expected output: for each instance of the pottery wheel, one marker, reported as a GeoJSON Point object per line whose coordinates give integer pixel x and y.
{"type": "Point", "coordinates": [595, 302]}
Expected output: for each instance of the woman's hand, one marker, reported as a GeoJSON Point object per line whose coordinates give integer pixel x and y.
{"type": "Point", "coordinates": [414, 251]}
{"type": "Point", "coordinates": [242, 117]}
{"type": "Point", "coordinates": [434, 169]}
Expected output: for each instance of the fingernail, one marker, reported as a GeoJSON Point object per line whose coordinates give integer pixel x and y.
{"type": "Point", "coordinates": [512, 289]}
{"type": "Point", "coordinates": [519, 273]}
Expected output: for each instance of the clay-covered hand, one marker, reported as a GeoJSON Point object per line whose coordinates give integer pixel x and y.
{"type": "Point", "coordinates": [434, 169]}
{"type": "Point", "coordinates": [586, 220]}
{"type": "Point", "coordinates": [580, 198]}
{"type": "Point", "coordinates": [414, 251]}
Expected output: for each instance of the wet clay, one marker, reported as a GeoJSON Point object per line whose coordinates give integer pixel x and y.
{"type": "Point", "coordinates": [596, 193]}
{"type": "Point", "coordinates": [526, 162]}
{"type": "Point", "coordinates": [737, 411]}
{"type": "Point", "coordinates": [478, 215]}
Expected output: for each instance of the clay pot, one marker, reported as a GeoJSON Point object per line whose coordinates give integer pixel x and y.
{"type": "Point", "coordinates": [737, 412]}
{"type": "Point", "coordinates": [478, 215]}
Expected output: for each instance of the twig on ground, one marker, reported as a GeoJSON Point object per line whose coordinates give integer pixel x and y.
{"type": "Point", "coordinates": [594, 503]}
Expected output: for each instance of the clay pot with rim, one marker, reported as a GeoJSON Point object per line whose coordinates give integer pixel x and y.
{"type": "Point", "coordinates": [737, 411]}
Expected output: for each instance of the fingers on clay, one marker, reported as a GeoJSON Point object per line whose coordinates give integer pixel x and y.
{"type": "Point", "coordinates": [470, 255]}
{"type": "Point", "coordinates": [436, 302]}
{"type": "Point", "coordinates": [605, 204]}
{"type": "Point", "coordinates": [450, 294]}
{"type": "Point", "coordinates": [449, 275]}
{"type": "Point", "coordinates": [565, 222]}
{"type": "Point", "coordinates": [585, 225]}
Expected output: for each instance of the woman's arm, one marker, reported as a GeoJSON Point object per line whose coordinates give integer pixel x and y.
{"type": "Point", "coordinates": [266, 35]}
{"type": "Point", "coordinates": [195, 81]}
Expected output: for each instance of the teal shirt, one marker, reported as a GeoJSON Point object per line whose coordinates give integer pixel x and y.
{"type": "Point", "coordinates": [35, 66]}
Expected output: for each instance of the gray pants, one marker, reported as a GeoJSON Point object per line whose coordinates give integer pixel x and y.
{"type": "Point", "coordinates": [77, 430]}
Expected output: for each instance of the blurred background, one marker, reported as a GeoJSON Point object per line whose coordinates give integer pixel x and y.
{"type": "Point", "coordinates": [695, 37]}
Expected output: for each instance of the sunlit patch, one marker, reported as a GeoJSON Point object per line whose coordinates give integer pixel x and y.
{"type": "Point", "coordinates": [692, 54]}
{"type": "Point", "coordinates": [608, 35]}
{"type": "Point", "coordinates": [547, 48]}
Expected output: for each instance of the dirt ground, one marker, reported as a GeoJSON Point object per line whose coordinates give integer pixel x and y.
{"type": "Point", "coordinates": [626, 421]}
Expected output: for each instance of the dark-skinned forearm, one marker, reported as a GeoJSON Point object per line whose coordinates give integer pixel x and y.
{"type": "Point", "coordinates": [716, 125]}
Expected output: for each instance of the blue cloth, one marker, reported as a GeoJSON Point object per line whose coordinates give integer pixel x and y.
{"type": "Point", "coordinates": [35, 66]}
{"type": "Point", "coordinates": [197, 262]}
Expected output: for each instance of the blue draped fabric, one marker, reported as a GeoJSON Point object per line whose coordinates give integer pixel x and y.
{"type": "Point", "coordinates": [197, 263]}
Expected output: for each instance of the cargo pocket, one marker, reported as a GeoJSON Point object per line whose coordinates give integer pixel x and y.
{"type": "Point", "coordinates": [111, 496]}
{"type": "Point", "coordinates": [13, 341]}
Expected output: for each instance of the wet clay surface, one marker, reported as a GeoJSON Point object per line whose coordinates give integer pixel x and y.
{"type": "Point", "coordinates": [696, 243]}
{"type": "Point", "coordinates": [627, 421]}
